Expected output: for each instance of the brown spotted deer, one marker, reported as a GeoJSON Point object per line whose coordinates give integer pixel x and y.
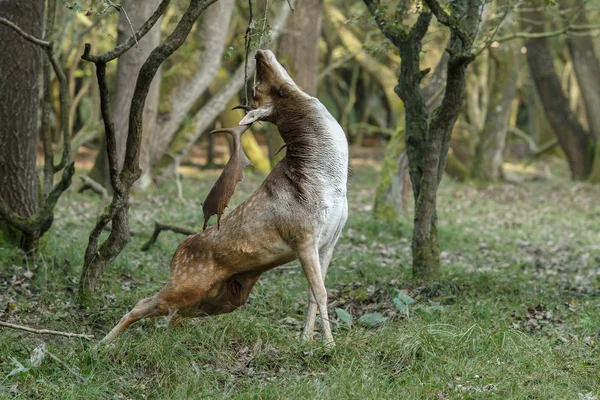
{"type": "Point", "coordinates": [297, 213]}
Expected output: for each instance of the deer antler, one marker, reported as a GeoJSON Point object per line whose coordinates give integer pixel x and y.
{"type": "Point", "coordinates": [220, 194]}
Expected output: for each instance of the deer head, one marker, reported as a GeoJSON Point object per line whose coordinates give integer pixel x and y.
{"type": "Point", "coordinates": [233, 173]}
{"type": "Point", "coordinates": [271, 84]}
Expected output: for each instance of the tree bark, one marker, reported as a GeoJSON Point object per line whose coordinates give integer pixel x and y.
{"type": "Point", "coordinates": [427, 142]}
{"type": "Point", "coordinates": [586, 66]}
{"type": "Point", "coordinates": [489, 152]}
{"type": "Point", "coordinates": [19, 70]}
{"type": "Point", "coordinates": [573, 139]}
{"type": "Point", "coordinates": [128, 67]}
{"type": "Point", "coordinates": [98, 257]}
{"type": "Point", "coordinates": [299, 44]}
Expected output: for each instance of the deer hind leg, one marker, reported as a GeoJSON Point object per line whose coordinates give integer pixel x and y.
{"type": "Point", "coordinates": [311, 315]}
{"type": "Point", "coordinates": [309, 258]}
{"type": "Point", "coordinates": [144, 308]}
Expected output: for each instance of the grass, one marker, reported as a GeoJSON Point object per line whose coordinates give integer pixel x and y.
{"type": "Point", "coordinates": [514, 317]}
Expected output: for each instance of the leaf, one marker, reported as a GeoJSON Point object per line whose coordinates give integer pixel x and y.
{"type": "Point", "coordinates": [430, 309]}
{"type": "Point", "coordinates": [402, 301]}
{"type": "Point", "coordinates": [344, 316]}
{"type": "Point", "coordinates": [371, 320]}
{"type": "Point", "coordinates": [37, 355]}
{"type": "Point", "coordinates": [20, 368]}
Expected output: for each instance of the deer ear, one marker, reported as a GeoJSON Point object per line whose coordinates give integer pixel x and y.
{"type": "Point", "coordinates": [257, 114]}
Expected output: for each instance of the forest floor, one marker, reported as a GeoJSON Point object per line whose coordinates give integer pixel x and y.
{"type": "Point", "coordinates": [515, 316]}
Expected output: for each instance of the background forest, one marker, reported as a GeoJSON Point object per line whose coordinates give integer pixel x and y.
{"type": "Point", "coordinates": [470, 263]}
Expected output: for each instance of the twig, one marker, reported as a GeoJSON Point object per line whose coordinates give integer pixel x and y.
{"type": "Point", "coordinates": [24, 34]}
{"type": "Point", "coordinates": [45, 331]}
{"type": "Point", "coordinates": [130, 42]}
{"type": "Point", "coordinates": [158, 228]}
{"type": "Point", "coordinates": [121, 8]}
{"type": "Point", "coordinates": [291, 5]}
{"type": "Point", "coordinates": [558, 32]}
{"type": "Point", "coordinates": [247, 45]}
{"type": "Point", "coordinates": [64, 364]}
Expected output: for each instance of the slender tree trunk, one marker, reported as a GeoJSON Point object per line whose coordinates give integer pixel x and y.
{"type": "Point", "coordinates": [394, 180]}
{"type": "Point", "coordinates": [573, 139]}
{"type": "Point", "coordinates": [128, 68]}
{"type": "Point", "coordinates": [19, 71]}
{"type": "Point", "coordinates": [490, 149]}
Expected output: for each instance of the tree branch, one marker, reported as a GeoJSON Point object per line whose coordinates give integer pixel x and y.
{"type": "Point", "coordinates": [45, 331]}
{"type": "Point", "coordinates": [97, 258]}
{"type": "Point", "coordinates": [130, 42]}
{"type": "Point", "coordinates": [539, 35]}
{"type": "Point", "coordinates": [394, 31]}
{"type": "Point", "coordinates": [158, 228]}
{"type": "Point", "coordinates": [448, 20]}
{"type": "Point", "coordinates": [24, 34]}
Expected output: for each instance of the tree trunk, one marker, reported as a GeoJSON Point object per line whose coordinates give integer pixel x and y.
{"type": "Point", "coordinates": [586, 66]}
{"type": "Point", "coordinates": [299, 44]}
{"type": "Point", "coordinates": [573, 139]}
{"type": "Point", "coordinates": [490, 149]}
{"type": "Point", "coordinates": [19, 70]}
{"type": "Point", "coordinates": [98, 257]}
{"type": "Point", "coordinates": [427, 142]}
{"type": "Point", "coordinates": [212, 34]}
{"type": "Point", "coordinates": [128, 67]}
{"type": "Point", "coordinates": [394, 181]}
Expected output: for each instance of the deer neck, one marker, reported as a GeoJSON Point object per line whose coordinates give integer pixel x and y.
{"type": "Point", "coordinates": [316, 145]}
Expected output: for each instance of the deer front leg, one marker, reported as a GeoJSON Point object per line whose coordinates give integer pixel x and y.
{"type": "Point", "coordinates": [144, 308]}
{"type": "Point", "coordinates": [309, 258]}
{"type": "Point", "coordinates": [311, 315]}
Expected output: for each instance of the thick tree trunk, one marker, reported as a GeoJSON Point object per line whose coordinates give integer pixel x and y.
{"type": "Point", "coordinates": [490, 149]}
{"type": "Point", "coordinates": [19, 70]}
{"type": "Point", "coordinates": [573, 139]}
{"type": "Point", "coordinates": [299, 44]}
{"type": "Point", "coordinates": [586, 66]}
{"type": "Point", "coordinates": [128, 68]}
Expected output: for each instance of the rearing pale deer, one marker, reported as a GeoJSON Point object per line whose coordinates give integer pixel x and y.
{"type": "Point", "coordinates": [298, 212]}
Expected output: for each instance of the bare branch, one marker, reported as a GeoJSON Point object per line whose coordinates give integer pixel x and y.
{"type": "Point", "coordinates": [291, 5]}
{"type": "Point", "coordinates": [448, 20]}
{"type": "Point", "coordinates": [45, 331]}
{"type": "Point", "coordinates": [394, 31]}
{"type": "Point", "coordinates": [576, 29]}
{"type": "Point", "coordinates": [24, 34]}
{"type": "Point", "coordinates": [158, 228]}
{"type": "Point", "coordinates": [98, 257]}
{"type": "Point", "coordinates": [130, 42]}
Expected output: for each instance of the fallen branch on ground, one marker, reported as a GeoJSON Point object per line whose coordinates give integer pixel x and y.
{"type": "Point", "coordinates": [45, 331]}
{"type": "Point", "coordinates": [158, 228]}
